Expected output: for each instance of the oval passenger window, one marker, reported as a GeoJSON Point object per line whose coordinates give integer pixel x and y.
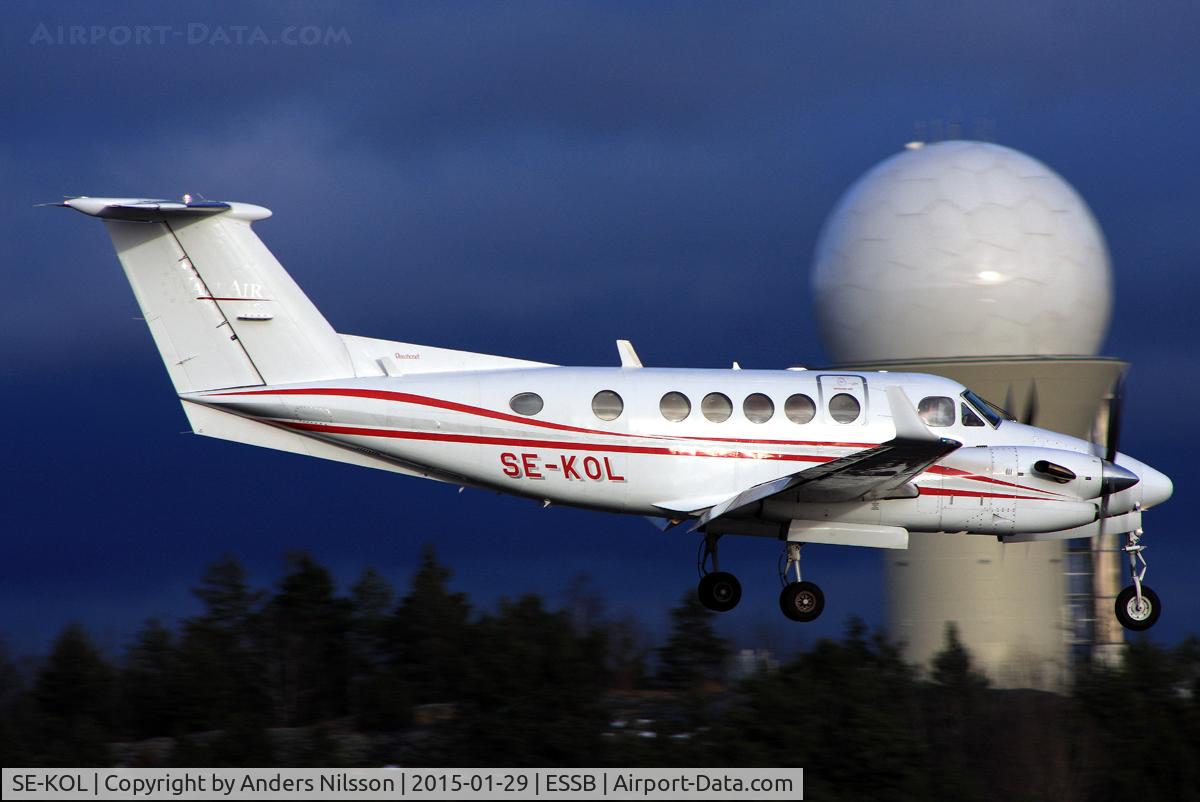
{"type": "Point", "coordinates": [607, 405]}
{"type": "Point", "coordinates": [716, 407]}
{"type": "Point", "coordinates": [799, 408]}
{"type": "Point", "coordinates": [844, 408]}
{"type": "Point", "coordinates": [526, 403]}
{"type": "Point", "coordinates": [675, 406]}
{"type": "Point", "coordinates": [758, 408]}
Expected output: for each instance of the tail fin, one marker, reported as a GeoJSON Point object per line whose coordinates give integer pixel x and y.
{"type": "Point", "coordinates": [222, 310]}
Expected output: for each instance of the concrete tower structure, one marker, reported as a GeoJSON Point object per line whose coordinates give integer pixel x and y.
{"type": "Point", "coordinates": [977, 262]}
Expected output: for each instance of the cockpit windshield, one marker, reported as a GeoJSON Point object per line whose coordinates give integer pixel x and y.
{"type": "Point", "coordinates": [987, 409]}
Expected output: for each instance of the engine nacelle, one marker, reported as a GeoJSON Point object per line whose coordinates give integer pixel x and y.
{"type": "Point", "coordinates": [1045, 471]}
{"type": "Point", "coordinates": [1021, 489]}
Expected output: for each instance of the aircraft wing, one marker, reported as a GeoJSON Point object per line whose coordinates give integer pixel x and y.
{"type": "Point", "coordinates": [873, 472]}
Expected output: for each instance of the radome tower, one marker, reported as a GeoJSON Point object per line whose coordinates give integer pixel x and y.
{"type": "Point", "coordinates": [977, 262]}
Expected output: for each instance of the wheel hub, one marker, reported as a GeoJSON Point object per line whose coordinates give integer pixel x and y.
{"type": "Point", "coordinates": [1139, 612]}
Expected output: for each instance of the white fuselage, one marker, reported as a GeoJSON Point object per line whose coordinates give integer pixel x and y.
{"type": "Point", "coordinates": [462, 427]}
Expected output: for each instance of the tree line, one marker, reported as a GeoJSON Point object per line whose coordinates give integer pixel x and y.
{"type": "Point", "coordinates": [303, 675]}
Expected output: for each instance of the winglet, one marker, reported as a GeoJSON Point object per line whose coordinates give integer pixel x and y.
{"type": "Point", "coordinates": [909, 425]}
{"type": "Point", "coordinates": [629, 357]}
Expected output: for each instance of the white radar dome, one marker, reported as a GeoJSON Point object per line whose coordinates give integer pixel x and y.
{"type": "Point", "coordinates": [961, 249]}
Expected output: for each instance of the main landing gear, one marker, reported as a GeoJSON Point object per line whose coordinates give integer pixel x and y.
{"type": "Point", "coordinates": [1138, 606]}
{"type": "Point", "coordinates": [720, 590]}
{"type": "Point", "coordinates": [799, 600]}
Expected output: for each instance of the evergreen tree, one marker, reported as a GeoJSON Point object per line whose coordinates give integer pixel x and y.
{"type": "Point", "coordinates": [221, 654]}
{"type": "Point", "coordinates": [694, 653]}
{"type": "Point", "coordinates": [955, 704]}
{"type": "Point", "coordinates": [74, 692]}
{"type": "Point", "coordinates": [626, 658]}
{"type": "Point", "coordinates": [379, 698]}
{"type": "Point", "coordinates": [18, 715]}
{"type": "Point", "coordinates": [1140, 717]}
{"type": "Point", "coordinates": [534, 691]}
{"type": "Point", "coordinates": [150, 683]}
{"type": "Point", "coordinates": [307, 635]}
{"type": "Point", "coordinates": [432, 644]}
{"type": "Point", "coordinates": [847, 711]}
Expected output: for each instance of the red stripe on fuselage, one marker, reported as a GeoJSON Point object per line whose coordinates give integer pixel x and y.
{"type": "Point", "coordinates": [445, 437]}
{"type": "Point", "coordinates": [941, 491]}
{"type": "Point", "coordinates": [943, 470]}
{"type": "Point", "coordinates": [454, 406]}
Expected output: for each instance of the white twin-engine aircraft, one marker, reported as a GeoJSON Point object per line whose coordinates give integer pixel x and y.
{"type": "Point", "coordinates": [836, 457]}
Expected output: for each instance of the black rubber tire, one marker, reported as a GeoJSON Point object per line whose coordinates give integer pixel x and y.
{"type": "Point", "coordinates": [1128, 614]}
{"type": "Point", "coordinates": [802, 601]}
{"type": "Point", "coordinates": [719, 591]}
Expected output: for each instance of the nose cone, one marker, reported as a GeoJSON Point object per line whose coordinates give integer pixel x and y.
{"type": "Point", "coordinates": [1156, 487]}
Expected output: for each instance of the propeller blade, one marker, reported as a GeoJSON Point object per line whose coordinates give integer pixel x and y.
{"type": "Point", "coordinates": [1031, 405]}
{"type": "Point", "coordinates": [1112, 439]}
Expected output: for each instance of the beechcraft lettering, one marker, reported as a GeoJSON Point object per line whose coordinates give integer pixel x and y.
{"type": "Point", "coordinates": [851, 458]}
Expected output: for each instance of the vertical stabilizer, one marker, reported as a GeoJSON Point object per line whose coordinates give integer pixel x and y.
{"type": "Point", "coordinates": [222, 310]}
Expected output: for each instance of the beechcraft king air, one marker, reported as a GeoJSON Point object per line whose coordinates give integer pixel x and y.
{"type": "Point", "coordinates": [832, 457]}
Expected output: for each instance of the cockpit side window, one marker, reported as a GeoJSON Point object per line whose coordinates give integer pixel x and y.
{"type": "Point", "coordinates": [936, 410]}
{"type": "Point", "coordinates": [969, 418]}
{"type": "Point", "coordinates": [992, 413]}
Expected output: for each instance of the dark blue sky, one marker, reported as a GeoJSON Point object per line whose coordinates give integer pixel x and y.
{"type": "Point", "coordinates": [531, 179]}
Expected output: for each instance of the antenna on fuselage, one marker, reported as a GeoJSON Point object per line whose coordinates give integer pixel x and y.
{"type": "Point", "coordinates": [629, 357]}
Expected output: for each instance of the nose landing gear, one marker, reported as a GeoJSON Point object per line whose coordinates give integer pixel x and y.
{"type": "Point", "coordinates": [1137, 607]}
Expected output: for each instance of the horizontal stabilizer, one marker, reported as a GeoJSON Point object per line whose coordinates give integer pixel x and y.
{"type": "Point", "coordinates": [210, 422]}
{"type": "Point", "coordinates": [155, 211]}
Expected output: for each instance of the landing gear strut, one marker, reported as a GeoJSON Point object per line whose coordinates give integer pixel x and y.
{"type": "Point", "coordinates": [800, 601]}
{"type": "Point", "coordinates": [1138, 606]}
{"type": "Point", "coordinates": [718, 590]}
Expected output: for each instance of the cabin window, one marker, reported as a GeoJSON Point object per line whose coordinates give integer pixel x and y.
{"type": "Point", "coordinates": [758, 408]}
{"type": "Point", "coordinates": [799, 408]}
{"type": "Point", "coordinates": [607, 405]}
{"type": "Point", "coordinates": [936, 410]}
{"type": "Point", "coordinates": [675, 406]}
{"type": "Point", "coordinates": [526, 403]}
{"type": "Point", "coordinates": [969, 417]}
{"type": "Point", "coordinates": [844, 408]}
{"type": "Point", "coordinates": [716, 407]}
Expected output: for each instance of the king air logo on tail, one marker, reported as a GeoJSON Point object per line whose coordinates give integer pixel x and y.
{"type": "Point", "coordinates": [247, 291]}
{"type": "Point", "coordinates": [853, 458]}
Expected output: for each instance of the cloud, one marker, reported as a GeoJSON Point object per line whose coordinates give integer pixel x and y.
{"type": "Point", "coordinates": [535, 179]}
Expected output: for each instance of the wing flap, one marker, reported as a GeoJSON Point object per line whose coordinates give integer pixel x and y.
{"type": "Point", "coordinates": [845, 534]}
